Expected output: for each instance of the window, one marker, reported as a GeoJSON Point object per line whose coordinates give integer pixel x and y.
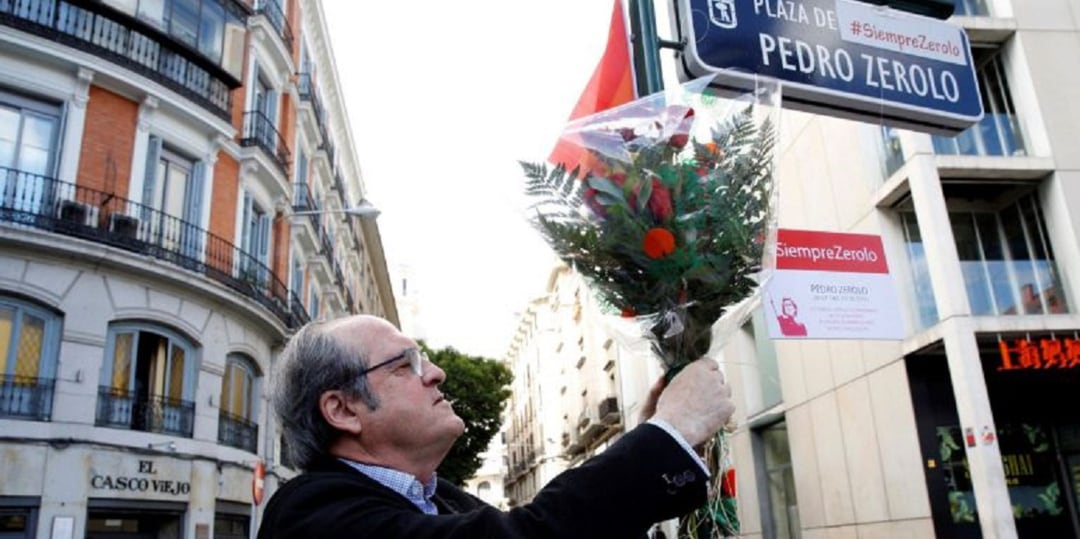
{"type": "Point", "coordinates": [18, 516]}
{"type": "Point", "coordinates": [892, 153]}
{"type": "Point", "coordinates": [313, 301]}
{"type": "Point", "coordinates": [1007, 261]}
{"type": "Point", "coordinates": [199, 24]}
{"type": "Point", "coordinates": [926, 313]}
{"type": "Point", "coordinates": [29, 347]}
{"type": "Point", "coordinates": [147, 380]}
{"type": "Point", "coordinates": [237, 425]}
{"type": "Point", "coordinates": [998, 132]}
{"type": "Point", "coordinates": [297, 287]}
{"type": "Point", "coordinates": [28, 151]}
{"type": "Point", "coordinates": [300, 194]}
{"type": "Point", "coordinates": [971, 8]}
{"type": "Point", "coordinates": [1005, 253]}
{"type": "Point", "coordinates": [231, 526]}
{"type": "Point", "coordinates": [779, 503]}
{"type": "Point", "coordinates": [255, 242]}
{"type": "Point", "coordinates": [172, 200]}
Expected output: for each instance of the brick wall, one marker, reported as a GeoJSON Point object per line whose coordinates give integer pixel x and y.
{"type": "Point", "coordinates": [108, 142]}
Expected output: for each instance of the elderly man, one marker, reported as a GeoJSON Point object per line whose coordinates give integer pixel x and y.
{"type": "Point", "coordinates": [363, 416]}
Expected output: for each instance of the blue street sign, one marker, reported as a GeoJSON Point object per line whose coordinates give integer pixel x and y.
{"type": "Point", "coordinates": [837, 57]}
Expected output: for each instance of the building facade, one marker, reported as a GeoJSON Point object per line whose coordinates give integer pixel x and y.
{"type": "Point", "coordinates": [966, 427]}
{"type": "Point", "coordinates": [576, 386]}
{"type": "Point", "coordinates": [173, 174]}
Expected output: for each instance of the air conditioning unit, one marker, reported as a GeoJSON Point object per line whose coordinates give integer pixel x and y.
{"type": "Point", "coordinates": [124, 227]}
{"type": "Point", "coordinates": [74, 213]}
{"type": "Point", "coordinates": [609, 411]}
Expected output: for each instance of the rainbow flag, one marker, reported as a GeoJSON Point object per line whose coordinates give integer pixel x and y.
{"type": "Point", "coordinates": [611, 85]}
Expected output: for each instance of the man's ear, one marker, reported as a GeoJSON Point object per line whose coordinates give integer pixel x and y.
{"type": "Point", "coordinates": [340, 411]}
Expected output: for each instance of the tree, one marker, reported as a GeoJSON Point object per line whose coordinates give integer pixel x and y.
{"type": "Point", "coordinates": [478, 387]}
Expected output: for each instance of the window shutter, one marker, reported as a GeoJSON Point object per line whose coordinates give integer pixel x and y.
{"type": "Point", "coordinates": [153, 156]}
{"type": "Point", "coordinates": [192, 238]}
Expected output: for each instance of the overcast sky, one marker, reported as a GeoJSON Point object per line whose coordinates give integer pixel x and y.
{"type": "Point", "coordinates": [444, 98]}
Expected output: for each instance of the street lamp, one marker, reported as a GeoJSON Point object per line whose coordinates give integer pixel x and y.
{"type": "Point", "coordinates": [363, 210]}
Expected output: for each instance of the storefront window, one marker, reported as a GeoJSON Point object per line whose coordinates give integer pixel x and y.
{"type": "Point", "coordinates": [1029, 463]}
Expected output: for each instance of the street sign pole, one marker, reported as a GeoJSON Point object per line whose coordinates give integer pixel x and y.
{"type": "Point", "coordinates": [645, 47]}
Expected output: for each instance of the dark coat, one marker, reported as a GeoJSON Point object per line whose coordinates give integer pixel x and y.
{"type": "Point", "coordinates": [645, 477]}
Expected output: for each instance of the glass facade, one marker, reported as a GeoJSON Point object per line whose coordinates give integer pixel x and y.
{"type": "Point", "coordinates": [926, 313]}
{"type": "Point", "coordinates": [1007, 261]}
{"type": "Point", "coordinates": [998, 133]}
{"type": "Point", "coordinates": [1005, 256]}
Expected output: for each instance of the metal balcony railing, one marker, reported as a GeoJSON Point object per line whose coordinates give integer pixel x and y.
{"type": "Point", "coordinates": [120, 409]}
{"type": "Point", "coordinates": [238, 432]}
{"type": "Point", "coordinates": [273, 13]}
{"type": "Point", "coordinates": [260, 131]}
{"type": "Point", "coordinates": [26, 397]}
{"type": "Point", "coordinates": [306, 88]}
{"type": "Point", "coordinates": [31, 200]}
{"type": "Point", "coordinates": [112, 38]}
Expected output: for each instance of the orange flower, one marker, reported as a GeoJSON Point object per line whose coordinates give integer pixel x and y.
{"type": "Point", "coordinates": [658, 243]}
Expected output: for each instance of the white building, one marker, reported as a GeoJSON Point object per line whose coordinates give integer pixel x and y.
{"type": "Point", "coordinates": [153, 155]}
{"type": "Point", "coordinates": [968, 426]}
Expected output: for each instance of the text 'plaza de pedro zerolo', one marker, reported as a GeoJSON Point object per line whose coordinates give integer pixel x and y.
{"type": "Point", "coordinates": [173, 180]}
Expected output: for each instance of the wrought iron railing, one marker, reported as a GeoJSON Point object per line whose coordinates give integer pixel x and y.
{"type": "Point", "coordinates": [121, 409]}
{"type": "Point", "coordinates": [26, 397]}
{"type": "Point", "coordinates": [110, 37]}
{"type": "Point", "coordinates": [239, 432]}
{"type": "Point", "coordinates": [46, 203]}
{"type": "Point", "coordinates": [260, 131]}
{"type": "Point", "coordinates": [306, 88]}
{"type": "Point", "coordinates": [273, 13]}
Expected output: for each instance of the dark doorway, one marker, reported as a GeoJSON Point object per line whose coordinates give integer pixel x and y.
{"type": "Point", "coordinates": [1037, 433]}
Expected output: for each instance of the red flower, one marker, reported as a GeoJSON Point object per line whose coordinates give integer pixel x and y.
{"type": "Point", "coordinates": [682, 132]}
{"type": "Point", "coordinates": [628, 312]}
{"type": "Point", "coordinates": [660, 201]}
{"type": "Point", "coordinates": [658, 243]}
{"type": "Point", "coordinates": [727, 483]}
{"type": "Point", "coordinates": [593, 204]}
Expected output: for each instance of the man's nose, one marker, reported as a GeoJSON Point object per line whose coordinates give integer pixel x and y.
{"type": "Point", "coordinates": [433, 375]}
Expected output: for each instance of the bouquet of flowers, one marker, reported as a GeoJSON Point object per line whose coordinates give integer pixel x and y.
{"type": "Point", "coordinates": [668, 218]}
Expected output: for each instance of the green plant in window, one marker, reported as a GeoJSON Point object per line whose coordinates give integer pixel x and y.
{"type": "Point", "coordinates": [1036, 436]}
{"type": "Point", "coordinates": [1051, 499]}
{"type": "Point", "coordinates": [959, 508]}
{"type": "Point", "coordinates": [946, 443]}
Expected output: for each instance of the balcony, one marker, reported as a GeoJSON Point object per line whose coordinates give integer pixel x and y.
{"type": "Point", "coordinates": [238, 432]}
{"type": "Point", "coordinates": [26, 397]}
{"type": "Point", "coordinates": [260, 131]}
{"type": "Point", "coordinates": [120, 40]}
{"type": "Point", "coordinates": [120, 409]}
{"type": "Point", "coordinates": [276, 16]}
{"type": "Point", "coordinates": [39, 202]}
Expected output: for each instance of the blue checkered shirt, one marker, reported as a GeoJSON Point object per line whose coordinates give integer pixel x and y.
{"type": "Point", "coordinates": [402, 483]}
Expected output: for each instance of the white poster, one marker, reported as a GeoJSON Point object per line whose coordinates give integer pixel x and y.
{"type": "Point", "coordinates": [829, 285]}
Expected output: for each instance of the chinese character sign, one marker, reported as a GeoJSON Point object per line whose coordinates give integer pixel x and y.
{"type": "Point", "coordinates": [1034, 354]}
{"type": "Point", "coordinates": [830, 285]}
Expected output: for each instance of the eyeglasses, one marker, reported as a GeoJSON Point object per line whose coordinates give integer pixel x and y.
{"type": "Point", "coordinates": [414, 355]}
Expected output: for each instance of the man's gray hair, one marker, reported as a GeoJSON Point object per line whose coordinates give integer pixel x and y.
{"type": "Point", "coordinates": [313, 363]}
